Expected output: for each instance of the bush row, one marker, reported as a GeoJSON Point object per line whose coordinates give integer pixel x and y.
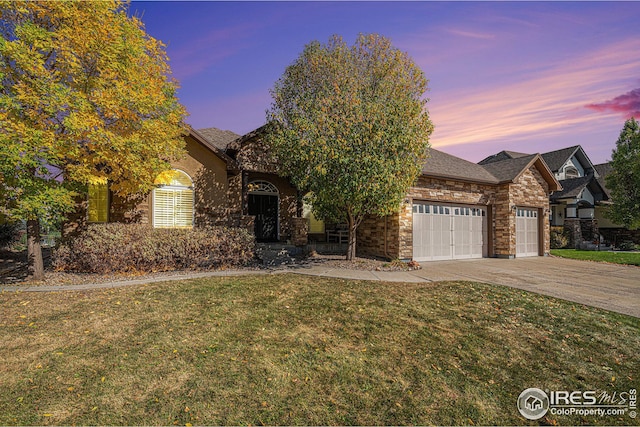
{"type": "Point", "coordinates": [112, 248]}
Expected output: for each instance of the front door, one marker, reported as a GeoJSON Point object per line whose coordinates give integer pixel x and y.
{"type": "Point", "coordinates": [265, 209]}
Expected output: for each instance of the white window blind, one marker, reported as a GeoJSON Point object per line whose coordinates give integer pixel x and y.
{"type": "Point", "coordinates": [173, 203]}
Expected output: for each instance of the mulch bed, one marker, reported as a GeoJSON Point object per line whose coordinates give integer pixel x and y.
{"type": "Point", "coordinates": [13, 269]}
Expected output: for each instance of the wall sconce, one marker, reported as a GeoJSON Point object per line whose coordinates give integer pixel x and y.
{"type": "Point", "coordinates": [513, 208]}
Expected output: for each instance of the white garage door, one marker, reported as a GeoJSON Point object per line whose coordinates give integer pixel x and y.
{"type": "Point", "coordinates": [526, 232]}
{"type": "Point", "coordinates": [448, 232]}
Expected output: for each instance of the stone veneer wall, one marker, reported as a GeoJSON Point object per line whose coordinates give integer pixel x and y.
{"type": "Point", "coordinates": [370, 238]}
{"type": "Point", "coordinates": [532, 191]}
{"type": "Point", "coordinates": [399, 227]}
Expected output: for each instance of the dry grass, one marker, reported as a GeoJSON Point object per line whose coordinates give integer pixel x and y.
{"type": "Point", "coordinates": [295, 350]}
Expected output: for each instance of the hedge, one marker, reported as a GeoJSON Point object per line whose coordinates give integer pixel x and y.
{"type": "Point", "coordinates": [121, 248]}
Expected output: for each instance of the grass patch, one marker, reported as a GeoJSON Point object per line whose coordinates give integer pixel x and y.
{"type": "Point", "coordinates": [629, 258]}
{"type": "Point", "coordinates": [296, 350]}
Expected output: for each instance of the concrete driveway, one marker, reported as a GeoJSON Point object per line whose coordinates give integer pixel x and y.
{"type": "Point", "coordinates": [609, 286]}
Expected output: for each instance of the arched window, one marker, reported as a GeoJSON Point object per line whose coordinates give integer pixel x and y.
{"type": "Point", "coordinates": [173, 200]}
{"type": "Point", "coordinates": [264, 205]}
{"type": "Point", "coordinates": [571, 172]}
{"type": "Point", "coordinates": [262, 187]}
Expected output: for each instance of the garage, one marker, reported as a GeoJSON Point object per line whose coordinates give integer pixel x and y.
{"type": "Point", "coordinates": [526, 232]}
{"type": "Point", "coordinates": [442, 232]}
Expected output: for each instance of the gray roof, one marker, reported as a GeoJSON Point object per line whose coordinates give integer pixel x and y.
{"type": "Point", "coordinates": [509, 169]}
{"type": "Point", "coordinates": [604, 169]}
{"type": "Point", "coordinates": [503, 155]}
{"type": "Point", "coordinates": [555, 159]}
{"type": "Point", "coordinates": [571, 188]}
{"type": "Point", "coordinates": [218, 137]}
{"type": "Point", "coordinates": [447, 166]}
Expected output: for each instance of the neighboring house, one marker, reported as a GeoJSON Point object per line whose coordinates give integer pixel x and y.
{"type": "Point", "coordinates": [456, 209]}
{"type": "Point", "coordinates": [579, 207]}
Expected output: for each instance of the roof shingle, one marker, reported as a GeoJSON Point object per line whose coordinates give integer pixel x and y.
{"type": "Point", "coordinates": [447, 166]}
{"type": "Point", "coordinates": [218, 137]}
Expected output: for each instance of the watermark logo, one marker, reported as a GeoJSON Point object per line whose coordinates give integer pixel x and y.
{"type": "Point", "coordinates": [533, 403]}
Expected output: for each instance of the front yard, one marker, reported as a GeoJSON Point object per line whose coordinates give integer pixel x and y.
{"type": "Point", "coordinates": [629, 258]}
{"type": "Point", "coordinates": [290, 349]}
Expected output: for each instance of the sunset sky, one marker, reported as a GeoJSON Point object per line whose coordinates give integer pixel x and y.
{"type": "Point", "coordinates": [520, 76]}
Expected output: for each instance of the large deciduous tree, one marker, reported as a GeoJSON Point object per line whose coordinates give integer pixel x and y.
{"type": "Point", "coordinates": [624, 179]}
{"type": "Point", "coordinates": [87, 98]}
{"type": "Point", "coordinates": [348, 124]}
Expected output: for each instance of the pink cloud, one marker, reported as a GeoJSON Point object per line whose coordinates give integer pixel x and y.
{"type": "Point", "coordinates": [627, 105]}
{"type": "Point", "coordinates": [471, 34]}
{"type": "Point", "coordinates": [541, 105]}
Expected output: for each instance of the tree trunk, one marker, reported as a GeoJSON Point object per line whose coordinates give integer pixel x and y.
{"type": "Point", "coordinates": [34, 250]}
{"type": "Point", "coordinates": [353, 226]}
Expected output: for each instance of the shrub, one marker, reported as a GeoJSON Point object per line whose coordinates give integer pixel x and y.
{"type": "Point", "coordinates": [9, 234]}
{"type": "Point", "coordinates": [627, 245]}
{"type": "Point", "coordinates": [113, 248]}
{"type": "Point", "coordinates": [559, 238]}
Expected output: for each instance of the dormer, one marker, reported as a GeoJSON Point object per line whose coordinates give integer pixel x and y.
{"type": "Point", "coordinates": [570, 163]}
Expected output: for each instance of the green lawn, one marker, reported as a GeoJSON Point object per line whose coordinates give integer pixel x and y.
{"type": "Point", "coordinates": [296, 350]}
{"type": "Point", "coordinates": [630, 258]}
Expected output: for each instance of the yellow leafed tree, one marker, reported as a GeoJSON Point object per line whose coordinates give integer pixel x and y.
{"type": "Point", "coordinates": [87, 97]}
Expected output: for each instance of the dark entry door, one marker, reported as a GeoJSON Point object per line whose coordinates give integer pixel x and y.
{"type": "Point", "coordinates": [265, 209]}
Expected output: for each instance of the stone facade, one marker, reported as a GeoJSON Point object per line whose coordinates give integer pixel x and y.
{"type": "Point", "coordinates": [392, 236]}
{"type": "Point", "coordinates": [531, 191]}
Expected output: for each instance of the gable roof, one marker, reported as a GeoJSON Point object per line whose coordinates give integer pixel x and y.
{"type": "Point", "coordinates": [218, 137]}
{"type": "Point", "coordinates": [443, 165]}
{"type": "Point", "coordinates": [556, 159]}
{"type": "Point", "coordinates": [571, 188]}
{"type": "Point", "coordinates": [510, 169]}
{"type": "Point", "coordinates": [503, 155]}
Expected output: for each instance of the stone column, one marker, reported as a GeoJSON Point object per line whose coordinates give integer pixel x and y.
{"type": "Point", "coordinates": [572, 225]}
{"type": "Point", "coordinates": [300, 232]}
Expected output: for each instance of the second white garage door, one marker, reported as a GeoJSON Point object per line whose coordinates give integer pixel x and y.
{"type": "Point", "coordinates": [448, 232]}
{"type": "Point", "coordinates": [526, 232]}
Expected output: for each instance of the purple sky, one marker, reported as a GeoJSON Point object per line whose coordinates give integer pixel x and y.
{"type": "Point", "coordinates": [520, 76]}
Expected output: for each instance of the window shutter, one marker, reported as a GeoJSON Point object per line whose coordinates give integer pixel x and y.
{"type": "Point", "coordinates": [98, 203]}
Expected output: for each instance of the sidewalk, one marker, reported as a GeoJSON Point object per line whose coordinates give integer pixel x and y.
{"type": "Point", "coordinates": [609, 286]}
{"type": "Point", "coordinates": [315, 270]}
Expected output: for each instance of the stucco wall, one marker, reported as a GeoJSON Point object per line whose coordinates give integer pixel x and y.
{"type": "Point", "coordinates": [209, 175]}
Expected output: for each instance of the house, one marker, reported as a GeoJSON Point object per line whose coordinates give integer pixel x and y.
{"type": "Point", "coordinates": [612, 233]}
{"type": "Point", "coordinates": [456, 209]}
{"type": "Point", "coordinates": [224, 179]}
{"type": "Point", "coordinates": [579, 207]}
